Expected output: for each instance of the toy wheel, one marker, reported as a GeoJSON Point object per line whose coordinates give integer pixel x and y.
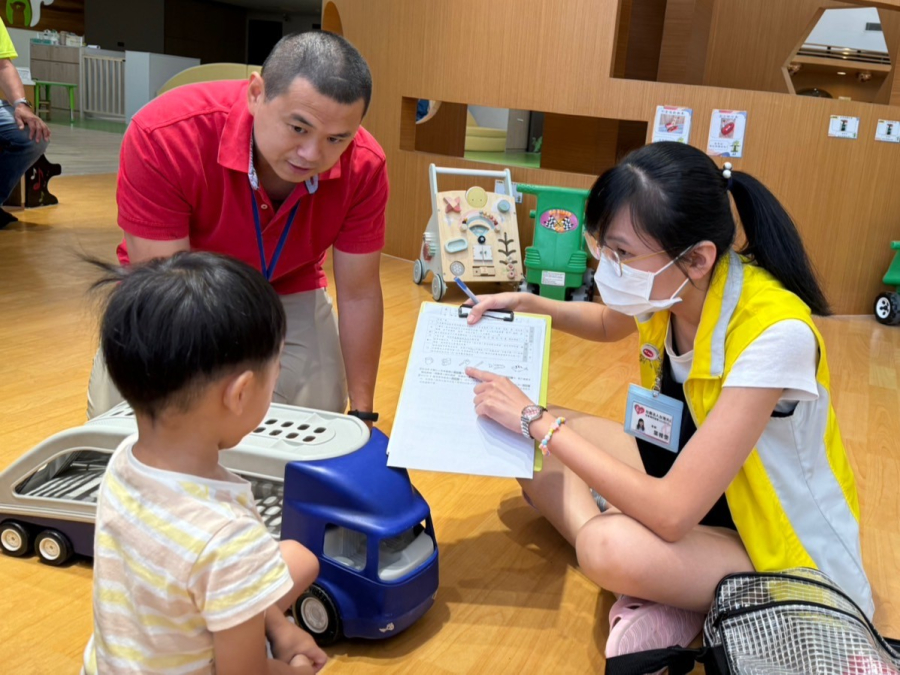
{"type": "Point", "coordinates": [419, 272]}
{"type": "Point", "coordinates": [53, 548]}
{"type": "Point", "coordinates": [14, 539]}
{"type": "Point", "coordinates": [438, 287]}
{"type": "Point", "coordinates": [316, 613]}
{"type": "Point", "coordinates": [525, 287]}
{"type": "Point", "coordinates": [887, 309]}
{"type": "Point", "coordinates": [581, 295]}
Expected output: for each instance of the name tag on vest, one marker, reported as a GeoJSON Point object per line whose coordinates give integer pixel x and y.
{"type": "Point", "coordinates": [654, 417]}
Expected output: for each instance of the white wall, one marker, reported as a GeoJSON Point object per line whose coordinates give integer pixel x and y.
{"type": "Point", "coordinates": [22, 41]}
{"type": "Point", "coordinates": [163, 67]}
{"type": "Point", "coordinates": [145, 73]}
{"type": "Point", "coordinates": [137, 82]}
{"type": "Point", "coordinates": [492, 118]}
{"type": "Point", "coordinates": [847, 28]}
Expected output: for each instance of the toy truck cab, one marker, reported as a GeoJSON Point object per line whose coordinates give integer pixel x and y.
{"type": "Point", "coordinates": [374, 539]}
{"type": "Point", "coordinates": [319, 478]}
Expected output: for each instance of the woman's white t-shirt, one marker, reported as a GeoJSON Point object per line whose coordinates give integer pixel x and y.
{"type": "Point", "coordinates": [785, 356]}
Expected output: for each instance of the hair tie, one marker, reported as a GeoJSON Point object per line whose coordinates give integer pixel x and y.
{"type": "Point", "coordinates": [726, 174]}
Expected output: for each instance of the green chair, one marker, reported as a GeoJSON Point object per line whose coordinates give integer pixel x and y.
{"type": "Point", "coordinates": [42, 95]}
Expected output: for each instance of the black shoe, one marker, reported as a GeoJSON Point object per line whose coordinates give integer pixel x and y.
{"type": "Point", "coordinates": [6, 218]}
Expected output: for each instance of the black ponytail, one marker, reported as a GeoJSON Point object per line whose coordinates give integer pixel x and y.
{"type": "Point", "coordinates": [678, 197]}
{"type": "Point", "coordinates": [773, 241]}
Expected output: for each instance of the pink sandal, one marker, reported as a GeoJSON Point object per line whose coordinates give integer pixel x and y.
{"type": "Point", "coordinates": [637, 625]}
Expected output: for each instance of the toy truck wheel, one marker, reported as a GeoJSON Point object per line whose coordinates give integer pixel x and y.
{"type": "Point", "coordinates": [887, 309]}
{"type": "Point", "coordinates": [14, 539]}
{"type": "Point", "coordinates": [438, 287]}
{"type": "Point", "coordinates": [53, 548]}
{"type": "Point", "coordinates": [316, 613]}
{"type": "Point", "coordinates": [419, 272]}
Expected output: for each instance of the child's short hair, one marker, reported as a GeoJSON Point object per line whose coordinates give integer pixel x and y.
{"type": "Point", "coordinates": [173, 325]}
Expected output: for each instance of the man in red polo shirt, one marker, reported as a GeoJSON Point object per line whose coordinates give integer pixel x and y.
{"type": "Point", "coordinates": [274, 171]}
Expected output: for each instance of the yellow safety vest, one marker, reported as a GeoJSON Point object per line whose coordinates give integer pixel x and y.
{"type": "Point", "coordinates": [794, 501]}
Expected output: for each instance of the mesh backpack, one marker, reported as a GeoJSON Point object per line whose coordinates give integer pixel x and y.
{"type": "Point", "coordinates": [795, 622]}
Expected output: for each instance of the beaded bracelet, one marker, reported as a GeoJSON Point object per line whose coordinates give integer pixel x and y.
{"type": "Point", "coordinates": [545, 449]}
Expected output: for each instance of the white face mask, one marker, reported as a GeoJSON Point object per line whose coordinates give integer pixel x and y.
{"type": "Point", "coordinates": [630, 293]}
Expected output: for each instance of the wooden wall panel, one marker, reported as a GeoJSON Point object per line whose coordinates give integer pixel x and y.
{"type": "Point", "coordinates": [632, 135]}
{"type": "Point", "coordinates": [62, 15]}
{"type": "Point", "coordinates": [559, 58]}
{"type": "Point", "coordinates": [646, 25]}
{"type": "Point", "coordinates": [583, 144]}
{"type": "Point", "coordinates": [443, 133]}
{"type": "Point", "coordinates": [752, 40]}
{"type": "Point", "coordinates": [331, 19]}
{"type": "Point", "coordinates": [685, 41]}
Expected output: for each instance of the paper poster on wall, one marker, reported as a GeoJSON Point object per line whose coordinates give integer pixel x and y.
{"type": "Point", "coordinates": [672, 123]}
{"type": "Point", "coordinates": [726, 133]}
{"type": "Point", "coordinates": [843, 127]}
{"type": "Point", "coordinates": [888, 131]}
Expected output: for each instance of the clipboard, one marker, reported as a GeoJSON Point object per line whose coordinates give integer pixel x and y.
{"type": "Point", "coordinates": [436, 427]}
{"type": "Point", "coordinates": [510, 316]}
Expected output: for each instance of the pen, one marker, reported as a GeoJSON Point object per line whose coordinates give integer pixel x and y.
{"type": "Point", "coordinates": [465, 289]}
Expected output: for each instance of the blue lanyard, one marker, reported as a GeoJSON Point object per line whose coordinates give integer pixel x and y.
{"type": "Point", "coordinates": [268, 269]}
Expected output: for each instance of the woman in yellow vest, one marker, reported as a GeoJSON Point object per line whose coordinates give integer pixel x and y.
{"type": "Point", "coordinates": [731, 459]}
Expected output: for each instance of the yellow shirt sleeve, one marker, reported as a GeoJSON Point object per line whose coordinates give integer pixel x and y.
{"type": "Point", "coordinates": [7, 48]}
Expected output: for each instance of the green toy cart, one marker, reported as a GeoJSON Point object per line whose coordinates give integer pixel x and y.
{"type": "Point", "coordinates": [556, 264]}
{"type": "Point", "coordinates": [887, 305]}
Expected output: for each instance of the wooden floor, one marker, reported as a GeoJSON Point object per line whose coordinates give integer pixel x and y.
{"type": "Point", "coordinates": [68, 144]}
{"type": "Point", "coordinates": [511, 599]}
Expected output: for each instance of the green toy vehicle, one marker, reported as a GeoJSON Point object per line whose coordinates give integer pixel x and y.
{"type": "Point", "coordinates": [556, 264]}
{"type": "Point", "coordinates": [887, 305]}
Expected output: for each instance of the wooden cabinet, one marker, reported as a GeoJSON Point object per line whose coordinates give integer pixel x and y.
{"type": "Point", "coordinates": [57, 64]}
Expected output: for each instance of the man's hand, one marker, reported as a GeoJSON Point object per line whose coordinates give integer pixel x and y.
{"type": "Point", "coordinates": [37, 129]}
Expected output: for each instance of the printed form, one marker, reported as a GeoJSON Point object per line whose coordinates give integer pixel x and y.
{"type": "Point", "coordinates": [436, 428]}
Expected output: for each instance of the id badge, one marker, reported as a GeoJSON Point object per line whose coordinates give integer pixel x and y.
{"type": "Point", "coordinates": [655, 418]}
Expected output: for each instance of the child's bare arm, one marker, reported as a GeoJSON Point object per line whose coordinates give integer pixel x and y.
{"type": "Point", "coordinates": [290, 641]}
{"type": "Point", "coordinates": [242, 651]}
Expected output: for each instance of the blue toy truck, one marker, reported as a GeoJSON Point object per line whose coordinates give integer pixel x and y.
{"type": "Point", "coordinates": [318, 478]}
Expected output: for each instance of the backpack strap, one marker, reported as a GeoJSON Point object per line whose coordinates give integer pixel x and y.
{"type": "Point", "coordinates": [678, 660]}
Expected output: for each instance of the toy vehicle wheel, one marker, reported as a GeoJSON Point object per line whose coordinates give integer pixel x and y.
{"type": "Point", "coordinates": [887, 309]}
{"type": "Point", "coordinates": [14, 539]}
{"type": "Point", "coordinates": [53, 548]}
{"type": "Point", "coordinates": [316, 613]}
{"type": "Point", "coordinates": [419, 272]}
{"type": "Point", "coordinates": [438, 287]}
{"type": "Point", "coordinates": [581, 295]}
{"type": "Point", "coordinates": [525, 287]}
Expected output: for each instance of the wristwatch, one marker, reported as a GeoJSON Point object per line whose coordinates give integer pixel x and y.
{"type": "Point", "coordinates": [16, 103]}
{"type": "Point", "coordinates": [364, 416]}
{"type": "Point", "coordinates": [531, 413]}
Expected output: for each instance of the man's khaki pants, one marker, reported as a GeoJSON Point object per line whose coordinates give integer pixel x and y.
{"type": "Point", "coordinates": [312, 367]}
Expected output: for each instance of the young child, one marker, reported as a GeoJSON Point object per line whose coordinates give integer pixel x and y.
{"type": "Point", "coordinates": [186, 577]}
